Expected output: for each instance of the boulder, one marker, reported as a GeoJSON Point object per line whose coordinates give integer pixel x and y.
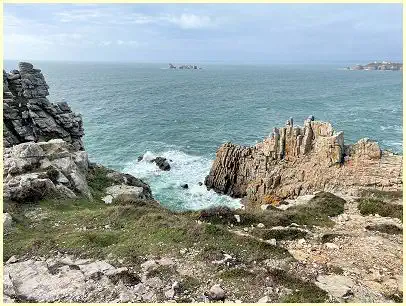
{"type": "Point", "coordinates": [216, 293]}
{"type": "Point", "coordinates": [126, 193]}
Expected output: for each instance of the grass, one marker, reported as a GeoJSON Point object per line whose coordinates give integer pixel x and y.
{"type": "Point", "coordinates": [95, 229]}
{"type": "Point", "coordinates": [391, 229]}
{"type": "Point", "coordinates": [316, 212]}
{"type": "Point", "coordinates": [303, 291]}
{"type": "Point", "coordinates": [279, 234]}
{"type": "Point", "coordinates": [132, 230]}
{"type": "Point", "coordinates": [370, 206]}
{"type": "Point", "coordinates": [381, 194]}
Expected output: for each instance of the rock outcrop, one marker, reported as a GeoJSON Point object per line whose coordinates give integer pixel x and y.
{"type": "Point", "coordinates": [296, 160]}
{"type": "Point", "coordinates": [29, 116]}
{"type": "Point", "coordinates": [33, 171]}
{"type": "Point", "coordinates": [44, 154]}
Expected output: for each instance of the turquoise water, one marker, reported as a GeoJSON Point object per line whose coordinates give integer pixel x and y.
{"type": "Point", "coordinates": [184, 115]}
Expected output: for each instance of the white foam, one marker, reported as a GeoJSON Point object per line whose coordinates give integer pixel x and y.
{"type": "Point", "coordinates": [185, 169]}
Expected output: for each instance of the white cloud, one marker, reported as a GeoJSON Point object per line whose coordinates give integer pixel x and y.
{"type": "Point", "coordinates": [127, 43]}
{"type": "Point", "coordinates": [119, 17]}
{"type": "Point", "coordinates": [191, 21]}
{"type": "Point", "coordinates": [79, 15]}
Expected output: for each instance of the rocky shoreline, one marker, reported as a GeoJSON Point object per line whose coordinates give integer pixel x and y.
{"type": "Point", "coordinates": [315, 227]}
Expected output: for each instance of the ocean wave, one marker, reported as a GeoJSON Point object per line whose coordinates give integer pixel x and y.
{"type": "Point", "coordinates": [185, 169]}
{"type": "Point", "coordinates": [391, 127]}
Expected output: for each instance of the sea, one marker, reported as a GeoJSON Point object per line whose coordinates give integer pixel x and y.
{"type": "Point", "coordinates": [138, 109]}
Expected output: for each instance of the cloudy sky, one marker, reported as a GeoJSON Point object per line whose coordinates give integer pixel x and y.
{"type": "Point", "coordinates": [261, 33]}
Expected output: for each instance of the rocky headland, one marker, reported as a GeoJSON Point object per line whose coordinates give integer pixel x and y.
{"type": "Point", "coordinates": [322, 220]}
{"type": "Point", "coordinates": [378, 66]}
{"type": "Point", "coordinates": [299, 160]}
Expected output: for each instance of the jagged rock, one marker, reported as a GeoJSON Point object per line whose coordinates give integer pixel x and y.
{"type": "Point", "coordinates": [33, 171]}
{"type": "Point", "coordinates": [162, 163]}
{"type": "Point", "coordinates": [29, 116]}
{"type": "Point", "coordinates": [184, 186]}
{"type": "Point", "coordinates": [297, 161]}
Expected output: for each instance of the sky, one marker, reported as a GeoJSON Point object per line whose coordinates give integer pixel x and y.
{"type": "Point", "coordinates": [203, 33]}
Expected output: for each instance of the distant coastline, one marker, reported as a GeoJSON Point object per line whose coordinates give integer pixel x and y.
{"type": "Point", "coordinates": [188, 66]}
{"type": "Point", "coordinates": [378, 66]}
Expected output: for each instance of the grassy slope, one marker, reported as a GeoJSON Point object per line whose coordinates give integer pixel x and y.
{"type": "Point", "coordinates": [132, 231]}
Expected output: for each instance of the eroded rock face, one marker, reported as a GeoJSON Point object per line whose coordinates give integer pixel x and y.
{"type": "Point", "coordinates": [33, 171]}
{"type": "Point", "coordinates": [29, 116]}
{"type": "Point", "coordinates": [295, 160]}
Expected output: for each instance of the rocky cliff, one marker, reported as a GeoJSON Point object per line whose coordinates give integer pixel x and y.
{"type": "Point", "coordinates": [29, 116]}
{"type": "Point", "coordinates": [297, 160]}
{"type": "Point", "coordinates": [44, 155]}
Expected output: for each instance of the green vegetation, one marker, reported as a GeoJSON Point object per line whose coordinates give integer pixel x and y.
{"type": "Point", "coordinates": [279, 234]}
{"type": "Point", "coordinates": [385, 228]}
{"type": "Point", "coordinates": [303, 291]}
{"type": "Point", "coordinates": [132, 230]}
{"type": "Point", "coordinates": [381, 195]}
{"type": "Point", "coordinates": [129, 230]}
{"type": "Point", "coordinates": [369, 206]}
{"type": "Point", "coordinates": [316, 212]}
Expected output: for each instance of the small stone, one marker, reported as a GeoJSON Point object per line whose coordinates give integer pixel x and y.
{"type": "Point", "coordinates": [184, 186]}
{"type": "Point", "coordinates": [271, 241]}
{"type": "Point", "coordinates": [175, 285]}
{"type": "Point", "coordinates": [183, 251]}
{"type": "Point", "coordinates": [169, 294]}
{"type": "Point", "coordinates": [108, 199]}
{"type": "Point", "coordinates": [237, 217]}
{"type": "Point", "coordinates": [332, 246]}
{"type": "Point", "coordinates": [139, 288]}
{"type": "Point", "coordinates": [216, 293]}
{"type": "Point", "coordinates": [260, 225]}
{"type": "Point", "coordinates": [264, 299]}
{"type": "Point", "coordinates": [245, 229]}
{"type": "Point", "coordinates": [166, 262]}
{"type": "Point", "coordinates": [7, 221]}
{"type": "Point", "coordinates": [149, 264]}
{"type": "Point", "coordinates": [301, 241]}
{"type": "Point", "coordinates": [12, 259]}
{"type": "Point", "coordinates": [200, 184]}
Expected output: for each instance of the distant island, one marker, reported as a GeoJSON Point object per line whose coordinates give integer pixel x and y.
{"type": "Point", "coordinates": [171, 66]}
{"type": "Point", "coordinates": [378, 66]}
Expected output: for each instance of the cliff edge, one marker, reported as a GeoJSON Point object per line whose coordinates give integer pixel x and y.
{"type": "Point", "coordinates": [295, 161]}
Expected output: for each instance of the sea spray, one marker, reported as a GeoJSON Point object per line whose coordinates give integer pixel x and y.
{"type": "Point", "coordinates": [185, 169]}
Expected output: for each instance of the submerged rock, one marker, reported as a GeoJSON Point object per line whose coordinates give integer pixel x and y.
{"type": "Point", "coordinates": [184, 186]}
{"type": "Point", "coordinates": [162, 163]}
